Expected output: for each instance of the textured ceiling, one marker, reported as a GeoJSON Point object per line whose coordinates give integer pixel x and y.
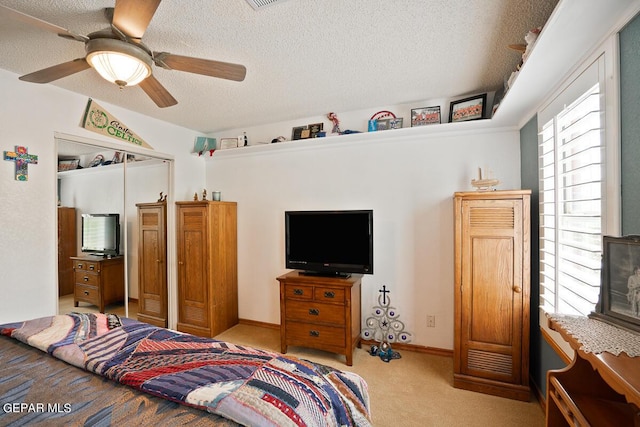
{"type": "Point", "coordinates": [303, 58]}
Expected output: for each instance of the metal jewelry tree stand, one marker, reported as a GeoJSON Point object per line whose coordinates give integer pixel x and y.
{"type": "Point", "coordinates": [383, 326]}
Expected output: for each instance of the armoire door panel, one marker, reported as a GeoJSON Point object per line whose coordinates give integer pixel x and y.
{"type": "Point", "coordinates": [152, 263]}
{"type": "Point", "coordinates": [491, 295]}
{"type": "Point", "coordinates": [195, 267]}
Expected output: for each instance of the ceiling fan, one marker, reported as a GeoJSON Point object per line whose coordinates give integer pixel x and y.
{"type": "Point", "coordinates": [119, 56]}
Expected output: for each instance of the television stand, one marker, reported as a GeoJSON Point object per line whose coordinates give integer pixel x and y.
{"type": "Point", "coordinates": [320, 312]}
{"type": "Point", "coordinates": [325, 274]}
{"type": "Point", "coordinates": [97, 280]}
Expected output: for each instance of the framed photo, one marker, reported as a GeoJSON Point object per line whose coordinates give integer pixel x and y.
{"type": "Point", "coordinates": [395, 123]}
{"type": "Point", "coordinates": [472, 108]}
{"type": "Point", "coordinates": [425, 116]}
{"type": "Point", "coordinates": [228, 143]}
{"type": "Point", "coordinates": [67, 165]}
{"type": "Point", "coordinates": [383, 124]}
{"type": "Point", "coordinates": [298, 132]}
{"type": "Point", "coordinates": [315, 129]}
{"type": "Point", "coordinates": [619, 302]}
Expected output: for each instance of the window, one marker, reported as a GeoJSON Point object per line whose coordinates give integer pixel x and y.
{"type": "Point", "coordinates": [572, 194]}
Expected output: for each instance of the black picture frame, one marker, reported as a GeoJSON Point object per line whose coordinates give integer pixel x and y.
{"type": "Point", "coordinates": [315, 129]}
{"type": "Point", "coordinates": [425, 116]}
{"type": "Point", "coordinates": [298, 131]}
{"type": "Point", "coordinates": [472, 108]}
{"type": "Point", "coordinates": [619, 302]}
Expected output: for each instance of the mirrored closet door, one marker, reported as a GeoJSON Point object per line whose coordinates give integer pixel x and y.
{"type": "Point", "coordinates": [100, 191]}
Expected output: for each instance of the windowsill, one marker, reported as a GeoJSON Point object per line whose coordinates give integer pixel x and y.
{"type": "Point", "coordinates": [555, 340]}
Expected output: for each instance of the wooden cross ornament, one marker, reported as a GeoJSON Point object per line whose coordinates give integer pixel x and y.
{"type": "Point", "coordinates": [22, 159]}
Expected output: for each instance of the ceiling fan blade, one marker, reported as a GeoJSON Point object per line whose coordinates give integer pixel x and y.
{"type": "Point", "coordinates": [207, 67]}
{"type": "Point", "coordinates": [56, 72]}
{"type": "Point", "coordinates": [158, 94]}
{"type": "Point", "coordinates": [37, 22]}
{"type": "Point", "coordinates": [132, 17]}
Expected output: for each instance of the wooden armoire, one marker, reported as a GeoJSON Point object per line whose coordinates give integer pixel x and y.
{"type": "Point", "coordinates": [67, 247]}
{"type": "Point", "coordinates": [152, 263]}
{"type": "Point", "coordinates": [491, 295]}
{"type": "Point", "coordinates": [207, 248]}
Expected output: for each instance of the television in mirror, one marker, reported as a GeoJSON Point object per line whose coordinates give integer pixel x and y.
{"type": "Point", "coordinates": [101, 234]}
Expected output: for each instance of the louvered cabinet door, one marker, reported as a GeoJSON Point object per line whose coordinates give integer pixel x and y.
{"type": "Point", "coordinates": [491, 345]}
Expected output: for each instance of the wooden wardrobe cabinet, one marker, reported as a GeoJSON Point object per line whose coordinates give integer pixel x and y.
{"type": "Point", "coordinates": [491, 295]}
{"type": "Point", "coordinates": [207, 267]}
{"type": "Point", "coordinates": [152, 263]}
{"type": "Point", "coordinates": [67, 247]}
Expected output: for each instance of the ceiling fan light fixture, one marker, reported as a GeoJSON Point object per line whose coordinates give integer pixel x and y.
{"type": "Point", "coordinates": [119, 62]}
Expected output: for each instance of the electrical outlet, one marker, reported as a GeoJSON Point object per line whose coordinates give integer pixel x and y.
{"type": "Point", "coordinates": [431, 321]}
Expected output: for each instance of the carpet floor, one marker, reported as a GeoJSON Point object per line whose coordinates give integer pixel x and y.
{"type": "Point", "coordinates": [415, 390]}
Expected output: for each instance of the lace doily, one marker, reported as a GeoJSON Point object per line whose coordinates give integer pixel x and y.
{"type": "Point", "coordinates": [597, 337]}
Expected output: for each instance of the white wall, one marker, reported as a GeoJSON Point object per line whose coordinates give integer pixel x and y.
{"type": "Point", "coordinates": [30, 114]}
{"type": "Point", "coordinates": [407, 177]}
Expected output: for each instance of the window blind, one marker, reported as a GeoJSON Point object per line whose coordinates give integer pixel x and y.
{"type": "Point", "coordinates": [571, 173]}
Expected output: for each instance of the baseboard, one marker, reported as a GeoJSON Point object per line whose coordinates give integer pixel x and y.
{"type": "Point", "coordinates": [413, 347]}
{"type": "Point", "coordinates": [258, 324]}
{"type": "Point", "coordinates": [397, 346]}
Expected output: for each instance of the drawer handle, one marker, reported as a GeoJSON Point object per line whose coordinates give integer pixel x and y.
{"type": "Point", "coordinates": [329, 294]}
{"type": "Point", "coordinates": [86, 292]}
{"type": "Point", "coordinates": [314, 334]}
{"type": "Point", "coordinates": [91, 267]}
{"type": "Point", "coordinates": [85, 278]}
{"type": "Point", "coordinates": [314, 311]}
{"type": "Point", "coordinates": [298, 292]}
{"type": "Point", "coordinates": [80, 266]}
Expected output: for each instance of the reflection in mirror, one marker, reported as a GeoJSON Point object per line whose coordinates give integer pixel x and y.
{"type": "Point", "coordinates": [98, 180]}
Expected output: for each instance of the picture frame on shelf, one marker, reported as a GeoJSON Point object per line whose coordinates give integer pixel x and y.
{"type": "Point", "coordinates": [424, 116]}
{"type": "Point", "coordinates": [395, 123]}
{"type": "Point", "coordinates": [297, 132]}
{"type": "Point", "coordinates": [383, 124]}
{"type": "Point", "coordinates": [202, 144]}
{"type": "Point", "coordinates": [619, 302]}
{"type": "Point", "coordinates": [315, 129]}
{"type": "Point", "coordinates": [67, 165]}
{"type": "Point", "coordinates": [226, 143]}
{"type": "Point", "coordinates": [472, 108]}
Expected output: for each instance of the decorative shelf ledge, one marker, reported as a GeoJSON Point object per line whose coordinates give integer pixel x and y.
{"type": "Point", "coordinates": [396, 135]}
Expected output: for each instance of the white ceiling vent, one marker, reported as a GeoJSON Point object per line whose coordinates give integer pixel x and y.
{"type": "Point", "coordinates": [261, 4]}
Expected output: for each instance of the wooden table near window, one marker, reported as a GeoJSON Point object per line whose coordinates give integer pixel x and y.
{"type": "Point", "coordinates": [594, 390]}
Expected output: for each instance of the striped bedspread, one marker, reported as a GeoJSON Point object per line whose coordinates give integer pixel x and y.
{"type": "Point", "coordinates": [247, 385]}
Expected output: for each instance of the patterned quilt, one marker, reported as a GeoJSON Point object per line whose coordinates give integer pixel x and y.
{"type": "Point", "coordinates": [250, 386]}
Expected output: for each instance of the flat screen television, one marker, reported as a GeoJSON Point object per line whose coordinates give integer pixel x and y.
{"type": "Point", "coordinates": [101, 234]}
{"type": "Point", "coordinates": [334, 243]}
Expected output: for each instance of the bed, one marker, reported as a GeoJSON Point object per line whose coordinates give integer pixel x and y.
{"type": "Point", "coordinates": [185, 380]}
